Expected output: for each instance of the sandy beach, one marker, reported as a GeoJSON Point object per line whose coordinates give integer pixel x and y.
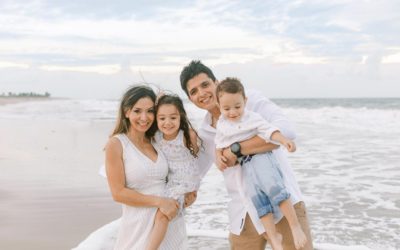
{"type": "Point", "coordinates": [51, 195]}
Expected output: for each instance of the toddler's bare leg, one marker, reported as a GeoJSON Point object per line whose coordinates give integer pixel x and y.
{"type": "Point", "coordinates": [299, 238]}
{"type": "Point", "coordinates": [274, 238]}
{"type": "Point", "coordinates": [158, 232]}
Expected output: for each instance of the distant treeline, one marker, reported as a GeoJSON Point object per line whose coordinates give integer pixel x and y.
{"type": "Point", "coordinates": [25, 94]}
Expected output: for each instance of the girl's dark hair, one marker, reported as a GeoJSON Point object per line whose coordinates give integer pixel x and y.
{"type": "Point", "coordinates": [129, 99]}
{"type": "Point", "coordinates": [185, 124]}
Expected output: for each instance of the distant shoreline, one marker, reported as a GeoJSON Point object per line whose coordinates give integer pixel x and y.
{"type": "Point", "coordinates": [4, 100]}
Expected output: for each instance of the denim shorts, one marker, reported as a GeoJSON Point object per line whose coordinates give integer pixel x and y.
{"type": "Point", "coordinates": [264, 182]}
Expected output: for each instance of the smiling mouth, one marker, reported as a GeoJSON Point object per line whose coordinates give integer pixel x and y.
{"type": "Point", "coordinates": [205, 100]}
{"type": "Point", "coordinates": [168, 128]}
{"type": "Point", "coordinates": [143, 124]}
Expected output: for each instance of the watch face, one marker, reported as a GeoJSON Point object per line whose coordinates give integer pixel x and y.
{"type": "Point", "coordinates": [235, 147]}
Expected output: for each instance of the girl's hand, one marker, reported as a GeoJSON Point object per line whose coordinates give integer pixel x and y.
{"type": "Point", "coordinates": [190, 198]}
{"type": "Point", "coordinates": [169, 207]}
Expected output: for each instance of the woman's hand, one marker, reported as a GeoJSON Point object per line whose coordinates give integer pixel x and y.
{"type": "Point", "coordinates": [169, 207]}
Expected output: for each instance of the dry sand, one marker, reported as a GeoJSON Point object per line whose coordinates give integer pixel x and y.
{"type": "Point", "coordinates": [51, 195]}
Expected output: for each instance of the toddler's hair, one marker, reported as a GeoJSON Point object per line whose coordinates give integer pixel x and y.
{"type": "Point", "coordinates": [230, 85]}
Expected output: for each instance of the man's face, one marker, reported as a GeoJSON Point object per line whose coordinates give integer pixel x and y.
{"type": "Point", "coordinates": [201, 90]}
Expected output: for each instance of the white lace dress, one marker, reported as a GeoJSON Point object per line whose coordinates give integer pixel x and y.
{"type": "Point", "coordinates": [183, 171]}
{"type": "Point", "coordinates": [132, 230]}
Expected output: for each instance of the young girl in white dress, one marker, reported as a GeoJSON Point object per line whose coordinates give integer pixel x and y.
{"type": "Point", "coordinates": [179, 142]}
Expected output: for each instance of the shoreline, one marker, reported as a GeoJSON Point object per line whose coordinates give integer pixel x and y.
{"type": "Point", "coordinates": [6, 100]}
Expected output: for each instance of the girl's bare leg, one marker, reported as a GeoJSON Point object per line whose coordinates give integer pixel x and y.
{"type": "Point", "coordinates": [158, 232]}
{"type": "Point", "coordinates": [299, 238]}
{"type": "Point", "coordinates": [274, 238]}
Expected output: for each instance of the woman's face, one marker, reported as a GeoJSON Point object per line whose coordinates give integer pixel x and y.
{"type": "Point", "coordinates": [141, 115]}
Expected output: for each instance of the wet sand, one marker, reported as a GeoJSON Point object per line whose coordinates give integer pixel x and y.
{"type": "Point", "coordinates": [51, 195]}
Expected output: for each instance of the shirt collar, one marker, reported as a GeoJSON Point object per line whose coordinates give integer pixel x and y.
{"type": "Point", "coordinates": [206, 123]}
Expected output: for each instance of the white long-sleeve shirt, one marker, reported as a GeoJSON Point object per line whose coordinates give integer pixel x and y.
{"type": "Point", "coordinates": [240, 204]}
{"type": "Point", "coordinates": [248, 126]}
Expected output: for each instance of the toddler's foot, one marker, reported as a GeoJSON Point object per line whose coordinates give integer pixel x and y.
{"type": "Point", "coordinates": [299, 238]}
{"type": "Point", "coordinates": [275, 241]}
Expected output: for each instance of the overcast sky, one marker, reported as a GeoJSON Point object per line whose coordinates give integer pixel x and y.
{"type": "Point", "coordinates": [96, 49]}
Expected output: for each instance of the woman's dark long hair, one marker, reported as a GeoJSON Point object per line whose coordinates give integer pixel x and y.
{"type": "Point", "coordinates": [185, 124]}
{"type": "Point", "coordinates": [129, 99]}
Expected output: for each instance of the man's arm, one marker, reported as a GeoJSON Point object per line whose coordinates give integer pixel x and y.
{"type": "Point", "coordinates": [255, 145]}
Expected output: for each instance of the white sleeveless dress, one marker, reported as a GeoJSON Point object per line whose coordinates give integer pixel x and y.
{"type": "Point", "coordinates": [146, 177]}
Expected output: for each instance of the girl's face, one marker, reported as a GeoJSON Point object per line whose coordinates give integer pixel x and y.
{"type": "Point", "coordinates": [168, 120]}
{"type": "Point", "coordinates": [141, 115]}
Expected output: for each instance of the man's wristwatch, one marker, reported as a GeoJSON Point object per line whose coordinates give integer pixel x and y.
{"type": "Point", "coordinates": [235, 149]}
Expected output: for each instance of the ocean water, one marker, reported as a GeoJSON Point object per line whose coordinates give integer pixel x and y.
{"type": "Point", "coordinates": [347, 165]}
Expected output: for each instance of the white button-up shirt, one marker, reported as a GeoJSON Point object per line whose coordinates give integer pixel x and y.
{"type": "Point", "coordinates": [240, 203]}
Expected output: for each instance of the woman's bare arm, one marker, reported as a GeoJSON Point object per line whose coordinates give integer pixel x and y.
{"type": "Point", "coordinates": [122, 194]}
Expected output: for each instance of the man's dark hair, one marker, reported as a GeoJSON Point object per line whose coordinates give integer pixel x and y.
{"type": "Point", "coordinates": [230, 85]}
{"type": "Point", "coordinates": [193, 69]}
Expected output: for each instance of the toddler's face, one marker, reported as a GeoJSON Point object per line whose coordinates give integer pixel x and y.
{"type": "Point", "coordinates": [232, 105]}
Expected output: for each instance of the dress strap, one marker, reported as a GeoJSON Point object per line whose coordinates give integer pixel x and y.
{"type": "Point", "coordinates": [123, 139]}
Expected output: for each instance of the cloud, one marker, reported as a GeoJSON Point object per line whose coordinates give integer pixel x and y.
{"type": "Point", "coordinates": [4, 64]}
{"type": "Point", "coordinates": [127, 37]}
{"type": "Point", "coordinates": [394, 57]}
{"type": "Point", "coordinates": [100, 69]}
{"type": "Point", "coordinates": [174, 31]}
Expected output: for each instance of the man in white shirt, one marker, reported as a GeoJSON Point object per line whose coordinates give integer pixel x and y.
{"type": "Point", "coordinates": [246, 230]}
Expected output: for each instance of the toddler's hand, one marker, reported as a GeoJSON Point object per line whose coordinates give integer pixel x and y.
{"type": "Point", "coordinates": [290, 145]}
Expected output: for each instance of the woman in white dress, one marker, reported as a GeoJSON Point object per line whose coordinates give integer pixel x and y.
{"type": "Point", "coordinates": [136, 173]}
